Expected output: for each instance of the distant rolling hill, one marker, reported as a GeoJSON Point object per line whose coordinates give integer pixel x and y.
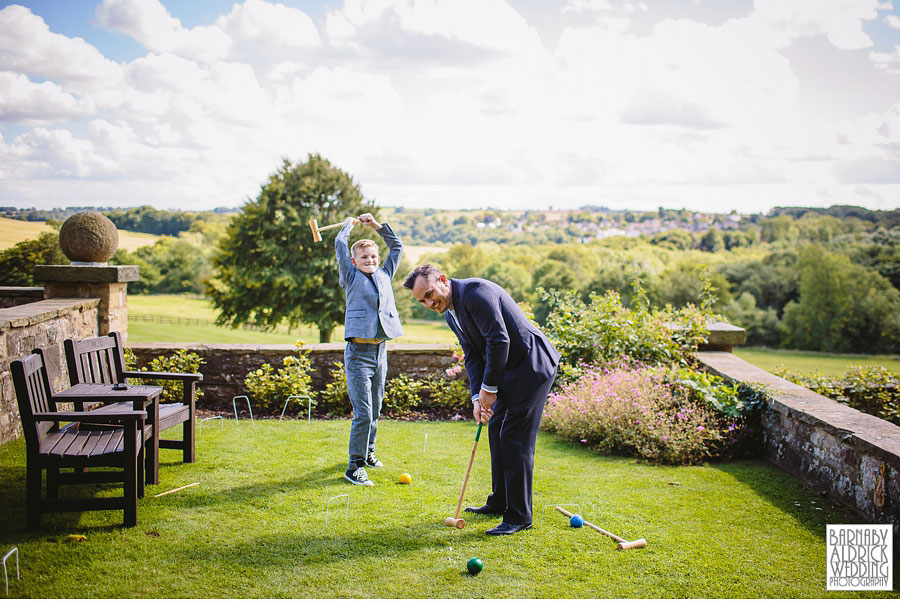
{"type": "Point", "coordinates": [16, 231]}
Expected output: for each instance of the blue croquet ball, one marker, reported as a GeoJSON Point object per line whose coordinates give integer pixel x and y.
{"type": "Point", "coordinates": [576, 521]}
{"type": "Point", "coordinates": [475, 565]}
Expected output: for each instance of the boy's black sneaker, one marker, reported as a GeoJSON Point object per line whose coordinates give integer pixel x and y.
{"type": "Point", "coordinates": [358, 477]}
{"type": "Point", "coordinates": [371, 461]}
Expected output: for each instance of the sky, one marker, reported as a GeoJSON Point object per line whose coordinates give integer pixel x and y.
{"type": "Point", "coordinates": [710, 105]}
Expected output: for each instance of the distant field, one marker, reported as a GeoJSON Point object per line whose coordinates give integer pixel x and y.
{"type": "Point", "coordinates": [16, 231]}
{"type": "Point", "coordinates": [179, 306]}
{"type": "Point", "coordinates": [415, 252]}
{"type": "Point", "coordinates": [809, 362]}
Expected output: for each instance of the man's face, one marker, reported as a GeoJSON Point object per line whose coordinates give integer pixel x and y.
{"type": "Point", "coordinates": [433, 293]}
{"type": "Point", "coordinates": [366, 259]}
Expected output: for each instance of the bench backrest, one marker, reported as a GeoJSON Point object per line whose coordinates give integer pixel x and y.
{"type": "Point", "coordinates": [95, 360]}
{"type": "Point", "coordinates": [34, 395]}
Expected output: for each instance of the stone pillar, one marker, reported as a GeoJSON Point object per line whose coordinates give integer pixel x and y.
{"type": "Point", "coordinates": [89, 239]}
{"type": "Point", "coordinates": [108, 283]}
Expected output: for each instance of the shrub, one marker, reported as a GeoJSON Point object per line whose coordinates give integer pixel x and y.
{"type": "Point", "coordinates": [336, 398]}
{"type": "Point", "coordinates": [604, 330]}
{"type": "Point", "coordinates": [402, 395]}
{"type": "Point", "coordinates": [449, 391]}
{"type": "Point", "coordinates": [450, 396]}
{"type": "Point", "coordinates": [637, 411]}
{"type": "Point", "coordinates": [871, 389]}
{"type": "Point", "coordinates": [270, 388]}
{"type": "Point", "coordinates": [181, 361]}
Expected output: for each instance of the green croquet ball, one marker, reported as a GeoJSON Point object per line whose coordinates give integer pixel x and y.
{"type": "Point", "coordinates": [475, 565]}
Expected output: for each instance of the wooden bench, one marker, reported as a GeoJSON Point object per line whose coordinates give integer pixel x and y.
{"type": "Point", "coordinates": [102, 360]}
{"type": "Point", "coordinates": [51, 446]}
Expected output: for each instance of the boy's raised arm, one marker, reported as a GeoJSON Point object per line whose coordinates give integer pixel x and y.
{"type": "Point", "coordinates": [342, 251]}
{"type": "Point", "coordinates": [395, 249]}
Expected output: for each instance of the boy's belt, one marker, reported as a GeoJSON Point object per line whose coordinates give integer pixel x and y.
{"type": "Point", "coordinates": [364, 340]}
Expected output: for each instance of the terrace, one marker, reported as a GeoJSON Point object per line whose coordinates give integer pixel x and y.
{"type": "Point", "coordinates": [270, 516]}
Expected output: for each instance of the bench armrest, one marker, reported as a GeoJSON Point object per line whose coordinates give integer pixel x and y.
{"type": "Point", "coordinates": [170, 376]}
{"type": "Point", "coordinates": [93, 417]}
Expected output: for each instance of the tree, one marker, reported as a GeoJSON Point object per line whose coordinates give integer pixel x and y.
{"type": "Point", "coordinates": [842, 307]}
{"type": "Point", "coordinates": [677, 238]}
{"type": "Point", "coordinates": [712, 241]}
{"type": "Point", "coordinates": [267, 269]}
{"type": "Point", "coordinates": [17, 262]}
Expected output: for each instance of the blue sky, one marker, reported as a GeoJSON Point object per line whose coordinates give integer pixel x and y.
{"type": "Point", "coordinates": [709, 105]}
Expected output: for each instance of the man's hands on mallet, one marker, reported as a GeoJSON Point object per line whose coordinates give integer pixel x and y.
{"type": "Point", "coordinates": [483, 407]}
{"type": "Point", "coordinates": [369, 220]}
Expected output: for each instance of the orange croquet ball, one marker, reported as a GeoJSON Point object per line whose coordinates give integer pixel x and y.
{"type": "Point", "coordinates": [406, 478]}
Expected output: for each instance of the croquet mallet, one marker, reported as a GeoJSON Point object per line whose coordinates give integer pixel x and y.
{"type": "Point", "coordinates": [623, 545]}
{"type": "Point", "coordinates": [456, 520]}
{"type": "Point", "coordinates": [316, 229]}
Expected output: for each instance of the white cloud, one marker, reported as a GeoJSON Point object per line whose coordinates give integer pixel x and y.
{"type": "Point", "coordinates": [841, 22]}
{"type": "Point", "coordinates": [149, 23]}
{"type": "Point", "coordinates": [28, 47]}
{"type": "Point", "coordinates": [887, 61]}
{"type": "Point", "coordinates": [432, 102]}
{"type": "Point", "coordinates": [24, 101]}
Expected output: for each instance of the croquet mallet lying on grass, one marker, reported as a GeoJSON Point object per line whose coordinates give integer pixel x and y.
{"type": "Point", "coordinates": [623, 545]}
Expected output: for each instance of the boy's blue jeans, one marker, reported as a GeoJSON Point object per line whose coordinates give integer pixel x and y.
{"type": "Point", "coordinates": [366, 367]}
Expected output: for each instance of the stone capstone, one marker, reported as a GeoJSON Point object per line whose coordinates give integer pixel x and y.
{"type": "Point", "coordinates": [88, 236]}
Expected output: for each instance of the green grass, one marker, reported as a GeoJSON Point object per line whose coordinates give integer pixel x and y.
{"type": "Point", "coordinates": [184, 306]}
{"type": "Point", "coordinates": [809, 362]}
{"type": "Point", "coordinates": [255, 527]}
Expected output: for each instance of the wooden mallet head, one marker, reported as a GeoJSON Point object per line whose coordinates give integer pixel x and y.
{"type": "Point", "coordinates": [455, 522]}
{"type": "Point", "coordinates": [314, 226]}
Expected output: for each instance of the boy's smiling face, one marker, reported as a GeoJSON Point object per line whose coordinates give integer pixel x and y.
{"type": "Point", "coordinates": [366, 259]}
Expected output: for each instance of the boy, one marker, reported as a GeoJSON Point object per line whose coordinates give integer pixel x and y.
{"type": "Point", "coordinates": [370, 319]}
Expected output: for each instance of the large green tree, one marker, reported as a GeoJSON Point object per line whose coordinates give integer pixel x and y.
{"type": "Point", "coordinates": [267, 269]}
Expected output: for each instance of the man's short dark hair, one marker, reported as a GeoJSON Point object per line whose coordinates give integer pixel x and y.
{"type": "Point", "coordinates": [429, 271]}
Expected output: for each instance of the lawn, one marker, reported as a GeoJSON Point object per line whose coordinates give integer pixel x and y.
{"type": "Point", "coordinates": [810, 362]}
{"type": "Point", "coordinates": [273, 518]}
{"type": "Point", "coordinates": [182, 306]}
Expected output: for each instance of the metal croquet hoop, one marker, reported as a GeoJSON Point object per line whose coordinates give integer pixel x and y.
{"type": "Point", "coordinates": [220, 418]}
{"type": "Point", "coordinates": [15, 550]}
{"type": "Point", "coordinates": [328, 503]}
{"type": "Point", "coordinates": [299, 397]}
{"type": "Point", "coordinates": [234, 404]}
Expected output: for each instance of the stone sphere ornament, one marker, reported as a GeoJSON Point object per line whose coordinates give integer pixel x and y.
{"type": "Point", "coordinates": [88, 237]}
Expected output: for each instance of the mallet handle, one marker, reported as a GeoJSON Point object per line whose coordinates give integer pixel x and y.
{"type": "Point", "coordinates": [587, 523]}
{"type": "Point", "coordinates": [330, 226]}
{"type": "Point", "coordinates": [468, 470]}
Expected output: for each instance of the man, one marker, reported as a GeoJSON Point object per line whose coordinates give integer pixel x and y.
{"type": "Point", "coordinates": [511, 366]}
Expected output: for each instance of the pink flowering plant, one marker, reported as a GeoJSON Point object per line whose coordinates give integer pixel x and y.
{"type": "Point", "coordinates": [638, 411]}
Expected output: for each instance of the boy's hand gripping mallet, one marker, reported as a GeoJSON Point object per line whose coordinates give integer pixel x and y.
{"type": "Point", "coordinates": [316, 229]}
{"type": "Point", "coordinates": [623, 545]}
{"type": "Point", "coordinates": [455, 520]}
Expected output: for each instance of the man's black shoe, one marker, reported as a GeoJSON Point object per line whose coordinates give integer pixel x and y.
{"type": "Point", "coordinates": [508, 528]}
{"type": "Point", "coordinates": [483, 510]}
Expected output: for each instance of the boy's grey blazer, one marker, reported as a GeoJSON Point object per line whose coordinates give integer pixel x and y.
{"type": "Point", "coordinates": [369, 299]}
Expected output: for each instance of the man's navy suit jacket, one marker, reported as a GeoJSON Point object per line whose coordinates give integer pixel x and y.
{"type": "Point", "coordinates": [501, 346]}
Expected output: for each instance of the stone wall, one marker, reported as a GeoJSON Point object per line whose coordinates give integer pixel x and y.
{"type": "Point", "coordinates": [43, 324]}
{"type": "Point", "coordinates": [852, 456]}
{"type": "Point", "coordinates": [227, 365]}
{"type": "Point", "coordinates": [16, 296]}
